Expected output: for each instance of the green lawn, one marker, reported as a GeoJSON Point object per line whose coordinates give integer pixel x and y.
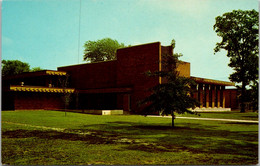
{"type": "Point", "coordinates": [225, 115]}
{"type": "Point", "coordinates": [50, 138]}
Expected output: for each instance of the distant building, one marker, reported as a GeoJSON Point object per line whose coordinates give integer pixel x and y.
{"type": "Point", "coordinates": [117, 84]}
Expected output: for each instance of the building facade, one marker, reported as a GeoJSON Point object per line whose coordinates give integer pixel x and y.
{"type": "Point", "coordinates": [34, 90]}
{"type": "Point", "coordinates": [120, 83]}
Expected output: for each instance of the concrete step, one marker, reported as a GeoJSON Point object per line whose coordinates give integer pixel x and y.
{"type": "Point", "coordinates": [211, 109]}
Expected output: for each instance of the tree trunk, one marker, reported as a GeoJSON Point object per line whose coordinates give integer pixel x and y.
{"type": "Point", "coordinates": [242, 108]}
{"type": "Point", "coordinates": [243, 92]}
{"type": "Point", "coordinates": [65, 109]}
{"type": "Point", "coordinates": [173, 117]}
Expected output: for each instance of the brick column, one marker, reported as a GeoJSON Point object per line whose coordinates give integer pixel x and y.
{"type": "Point", "coordinates": [126, 102]}
{"type": "Point", "coordinates": [194, 92]}
{"type": "Point", "coordinates": [200, 95]}
{"type": "Point", "coordinates": [207, 95]}
{"type": "Point", "coordinates": [213, 96]}
{"type": "Point", "coordinates": [218, 96]}
{"type": "Point", "coordinates": [223, 96]}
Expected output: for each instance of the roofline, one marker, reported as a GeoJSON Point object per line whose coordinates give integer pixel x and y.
{"type": "Point", "coordinates": [35, 74]}
{"type": "Point", "coordinates": [115, 59]}
{"type": "Point", "coordinates": [140, 45]}
{"type": "Point", "coordinates": [87, 63]}
{"type": "Point", "coordinates": [211, 81]}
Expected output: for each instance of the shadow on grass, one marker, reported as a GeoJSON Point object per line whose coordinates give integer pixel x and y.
{"type": "Point", "coordinates": [156, 138]}
{"type": "Point", "coordinates": [241, 123]}
{"type": "Point", "coordinates": [192, 137]}
{"type": "Point", "coordinates": [255, 117]}
{"type": "Point", "coordinates": [190, 129]}
{"type": "Point", "coordinates": [90, 139]}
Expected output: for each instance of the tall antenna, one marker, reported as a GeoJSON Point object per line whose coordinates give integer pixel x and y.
{"type": "Point", "coordinates": [79, 28]}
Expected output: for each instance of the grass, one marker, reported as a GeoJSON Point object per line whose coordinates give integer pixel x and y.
{"type": "Point", "coordinates": [226, 115]}
{"type": "Point", "coordinates": [81, 139]}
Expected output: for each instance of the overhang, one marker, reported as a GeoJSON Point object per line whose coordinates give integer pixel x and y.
{"type": "Point", "coordinates": [35, 74]}
{"type": "Point", "coordinates": [213, 82]}
{"type": "Point", "coordinates": [19, 88]}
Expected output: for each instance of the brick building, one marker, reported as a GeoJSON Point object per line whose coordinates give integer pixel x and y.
{"type": "Point", "coordinates": [34, 90]}
{"type": "Point", "coordinates": [117, 84]}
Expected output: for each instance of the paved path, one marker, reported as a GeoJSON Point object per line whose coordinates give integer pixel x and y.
{"type": "Point", "coordinates": [216, 119]}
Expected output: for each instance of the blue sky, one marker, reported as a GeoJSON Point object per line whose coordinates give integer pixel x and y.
{"type": "Point", "coordinates": [45, 33]}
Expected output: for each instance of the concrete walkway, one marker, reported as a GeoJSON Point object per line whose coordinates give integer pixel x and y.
{"type": "Point", "coordinates": [215, 119]}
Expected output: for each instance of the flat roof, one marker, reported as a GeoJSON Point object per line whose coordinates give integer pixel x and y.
{"type": "Point", "coordinates": [35, 74]}
{"type": "Point", "coordinates": [210, 81]}
{"type": "Point", "coordinates": [87, 63]}
{"type": "Point", "coordinates": [139, 45]}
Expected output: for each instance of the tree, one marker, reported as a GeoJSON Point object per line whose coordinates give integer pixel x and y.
{"type": "Point", "coordinates": [253, 91]}
{"type": "Point", "coordinates": [174, 95]}
{"type": "Point", "coordinates": [35, 69]}
{"type": "Point", "coordinates": [239, 32]}
{"type": "Point", "coordinates": [13, 67]}
{"type": "Point", "coordinates": [101, 50]}
{"type": "Point", "coordinates": [66, 97]}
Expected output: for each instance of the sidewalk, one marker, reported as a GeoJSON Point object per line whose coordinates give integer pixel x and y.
{"type": "Point", "coordinates": [216, 119]}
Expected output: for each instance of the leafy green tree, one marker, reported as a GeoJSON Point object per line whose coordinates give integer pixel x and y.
{"type": "Point", "coordinates": [172, 96]}
{"type": "Point", "coordinates": [239, 32]}
{"type": "Point", "coordinates": [36, 69]}
{"type": "Point", "coordinates": [101, 50]}
{"type": "Point", "coordinates": [13, 67]}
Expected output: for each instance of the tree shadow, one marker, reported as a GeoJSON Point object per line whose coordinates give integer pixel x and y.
{"type": "Point", "coordinates": [241, 123]}
{"type": "Point", "coordinates": [137, 128]}
{"type": "Point", "coordinates": [195, 138]}
{"type": "Point", "coordinates": [55, 135]}
{"type": "Point", "coordinates": [251, 117]}
{"type": "Point", "coordinates": [155, 138]}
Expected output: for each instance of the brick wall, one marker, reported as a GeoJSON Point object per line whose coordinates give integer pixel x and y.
{"type": "Point", "coordinates": [231, 100]}
{"type": "Point", "coordinates": [94, 75]}
{"type": "Point", "coordinates": [132, 64]}
{"type": "Point", "coordinates": [166, 50]}
{"type": "Point", "coordinates": [30, 100]}
{"type": "Point", "coordinates": [184, 69]}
